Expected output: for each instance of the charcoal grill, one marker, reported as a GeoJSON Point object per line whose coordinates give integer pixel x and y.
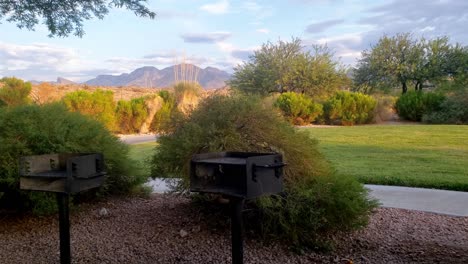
{"type": "Point", "coordinates": [239, 176]}
{"type": "Point", "coordinates": [63, 174]}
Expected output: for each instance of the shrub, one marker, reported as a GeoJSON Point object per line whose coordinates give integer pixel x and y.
{"type": "Point", "coordinates": [349, 108]}
{"type": "Point", "coordinates": [34, 130]}
{"type": "Point", "coordinates": [14, 92]}
{"type": "Point", "coordinates": [187, 95]}
{"type": "Point", "coordinates": [162, 120]}
{"type": "Point", "coordinates": [98, 105]}
{"type": "Point", "coordinates": [131, 115]}
{"type": "Point", "coordinates": [299, 109]}
{"type": "Point", "coordinates": [414, 104]}
{"type": "Point", "coordinates": [314, 202]}
{"type": "Point", "coordinates": [385, 107]}
{"type": "Point", "coordinates": [454, 110]}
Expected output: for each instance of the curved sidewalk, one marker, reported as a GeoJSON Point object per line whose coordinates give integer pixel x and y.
{"type": "Point", "coordinates": [429, 200]}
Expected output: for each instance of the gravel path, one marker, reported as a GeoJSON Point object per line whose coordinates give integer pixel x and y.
{"type": "Point", "coordinates": [166, 229]}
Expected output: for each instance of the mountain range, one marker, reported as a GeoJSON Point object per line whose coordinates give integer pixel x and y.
{"type": "Point", "coordinates": [148, 76]}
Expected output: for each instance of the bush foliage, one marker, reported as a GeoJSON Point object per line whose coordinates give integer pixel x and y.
{"type": "Point", "coordinates": [299, 109]}
{"type": "Point", "coordinates": [414, 104]}
{"type": "Point", "coordinates": [34, 130]}
{"type": "Point", "coordinates": [131, 115]}
{"type": "Point", "coordinates": [14, 92]}
{"type": "Point", "coordinates": [453, 110]}
{"type": "Point", "coordinates": [98, 105]}
{"type": "Point", "coordinates": [349, 108]}
{"type": "Point", "coordinates": [314, 202]}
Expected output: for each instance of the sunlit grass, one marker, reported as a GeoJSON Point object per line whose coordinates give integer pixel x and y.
{"type": "Point", "coordinates": [432, 156]}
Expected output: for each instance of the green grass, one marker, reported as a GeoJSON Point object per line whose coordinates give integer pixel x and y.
{"type": "Point", "coordinates": [141, 154]}
{"type": "Point", "coordinates": [432, 156]}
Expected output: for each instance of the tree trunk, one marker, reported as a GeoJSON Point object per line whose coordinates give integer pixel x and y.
{"type": "Point", "coordinates": [404, 87]}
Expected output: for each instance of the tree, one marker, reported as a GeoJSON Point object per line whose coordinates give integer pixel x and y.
{"type": "Point", "coordinates": [286, 66]}
{"type": "Point", "coordinates": [393, 59]}
{"type": "Point", "coordinates": [401, 59]}
{"type": "Point", "coordinates": [63, 17]}
{"type": "Point", "coordinates": [14, 92]}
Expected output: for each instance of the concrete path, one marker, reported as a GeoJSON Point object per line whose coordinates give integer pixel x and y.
{"type": "Point", "coordinates": [429, 200]}
{"type": "Point", "coordinates": [136, 139]}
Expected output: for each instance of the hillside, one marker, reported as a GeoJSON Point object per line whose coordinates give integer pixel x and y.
{"type": "Point", "coordinates": [152, 77]}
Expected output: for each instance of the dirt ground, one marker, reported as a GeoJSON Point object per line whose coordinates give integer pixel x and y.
{"type": "Point", "coordinates": [167, 229]}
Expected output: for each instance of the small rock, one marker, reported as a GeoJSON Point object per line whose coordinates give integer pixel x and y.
{"type": "Point", "coordinates": [171, 206]}
{"type": "Point", "coordinates": [183, 233]}
{"type": "Point", "coordinates": [196, 229]}
{"type": "Point", "coordinates": [103, 212]}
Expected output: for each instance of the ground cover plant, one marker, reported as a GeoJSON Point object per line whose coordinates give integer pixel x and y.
{"type": "Point", "coordinates": [51, 128]}
{"type": "Point", "coordinates": [315, 201]}
{"type": "Point", "coordinates": [432, 156]}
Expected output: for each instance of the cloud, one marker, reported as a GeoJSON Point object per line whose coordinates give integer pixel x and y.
{"type": "Point", "coordinates": [211, 37]}
{"type": "Point", "coordinates": [323, 25]}
{"type": "Point", "coordinates": [263, 30]}
{"type": "Point", "coordinates": [218, 8]}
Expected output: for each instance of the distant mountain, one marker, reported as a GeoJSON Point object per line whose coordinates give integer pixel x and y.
{"type": "Point", "coordinates": [148, 76]}
{"type": "Point", "coordinates": [60, 80]}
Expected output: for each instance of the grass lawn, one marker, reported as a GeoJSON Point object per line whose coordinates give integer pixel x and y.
{"type": "Point", "coordinates": [141, 154]}
{"type": "Point", "coordinates": [433, 156]}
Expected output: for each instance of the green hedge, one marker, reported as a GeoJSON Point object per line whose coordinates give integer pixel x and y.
{"type": "Point", "coordinates": [131, 115]}
{"type": "Point", "coordinates": [414, 104]}
{"type": "Point", "coordinates": [299, 109]}
{"type": "Point", "coordinates": [14, 92]}
{"type": "Point", "coordinates": [34, 130]}
{"type": "Point", "coordinates": [98, 105]}
{"type": "Point", "coordinates": [349, 108]}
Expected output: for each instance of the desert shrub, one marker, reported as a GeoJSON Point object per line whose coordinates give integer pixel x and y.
{"type": "Point", "coordinates": [349, 108]}
{"type": "Point", "coordinates": [131, 115]}
{"type": "Point", "coordinates": [414, 104]}
{"type": "Point", "coordinates": [162, 119]}
{"type": "Point", "coordinates": [14, 92]}
{"type": "Point", "coordinates": [98, 105]}
{"type": "Point", "coordinates": [51, 128]}
{"type": "Point", "coordinates": [385, 107]}
{"type": "Point", "coordinates": [314, 202]}
{"type": "Point", "coordinates": [299, 109]}
{"type": "Point", "coordinates": [453, 110]}
{"type": "Point", "coordinates": [187, 96]}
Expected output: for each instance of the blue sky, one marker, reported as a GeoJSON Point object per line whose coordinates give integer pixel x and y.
{"type": "Point", "coordinates": [220, 33]}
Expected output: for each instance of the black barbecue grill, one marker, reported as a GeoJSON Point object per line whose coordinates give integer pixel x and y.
{"type": "Point", "coordinates": [239, 176]}
{"type": "Point", "coordinates": [63, 174]}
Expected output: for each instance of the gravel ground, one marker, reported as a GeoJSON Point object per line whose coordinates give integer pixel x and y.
{"type": "Point", "coordinates": [165, 229]}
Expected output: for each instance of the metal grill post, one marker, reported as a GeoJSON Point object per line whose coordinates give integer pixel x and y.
{"type": "Point", "coordinates": [64, 226]}
{"type": "Point", "coordinates": [237, 230]}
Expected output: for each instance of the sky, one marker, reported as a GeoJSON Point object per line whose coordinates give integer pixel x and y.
{"type": "Point", "coordinates": [221, 33]}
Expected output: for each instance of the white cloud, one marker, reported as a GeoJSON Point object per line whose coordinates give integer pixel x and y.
{"type": "Point", "coordinates": [263, 30]}
{"type": "Point", "coordinates": [217, 8]}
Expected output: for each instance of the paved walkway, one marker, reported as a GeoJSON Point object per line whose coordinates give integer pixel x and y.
{"type": "Point", "coordinates": [429, 200]}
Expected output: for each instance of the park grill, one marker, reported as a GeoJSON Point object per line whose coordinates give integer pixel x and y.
{"type": "Point", "coordinates": [238, 176]}
{"type": "Point", "coordinates": [63, 174]}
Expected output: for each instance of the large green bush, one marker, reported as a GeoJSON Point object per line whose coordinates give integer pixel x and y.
{"type": "Point", "coordinates": [453, 110]}
{"type": "Point", "coordinates": [314, 202]}
{"type": "Point", "coordinates": [299, 109]}
{"type": "Point", "coordinates": [98, 105]}
{"type": "Point", "coordinates": [131, 115]}
{"type": "Point", "coordinates": [414, 104]}
{"type": "Point", "coordinates": [349, 108]}
{"type": "Point", "coordinates": [14, 92]}
{"type": "Point", "coordinates": [34, 130]}
{"type": "Point", "coordinates": [162, 120]}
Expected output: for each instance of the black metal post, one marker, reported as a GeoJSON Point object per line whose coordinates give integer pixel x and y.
{"type": "Point", "coordinates": [64, 224]}
{"type": "Point", "coordinates": [237, 230]}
